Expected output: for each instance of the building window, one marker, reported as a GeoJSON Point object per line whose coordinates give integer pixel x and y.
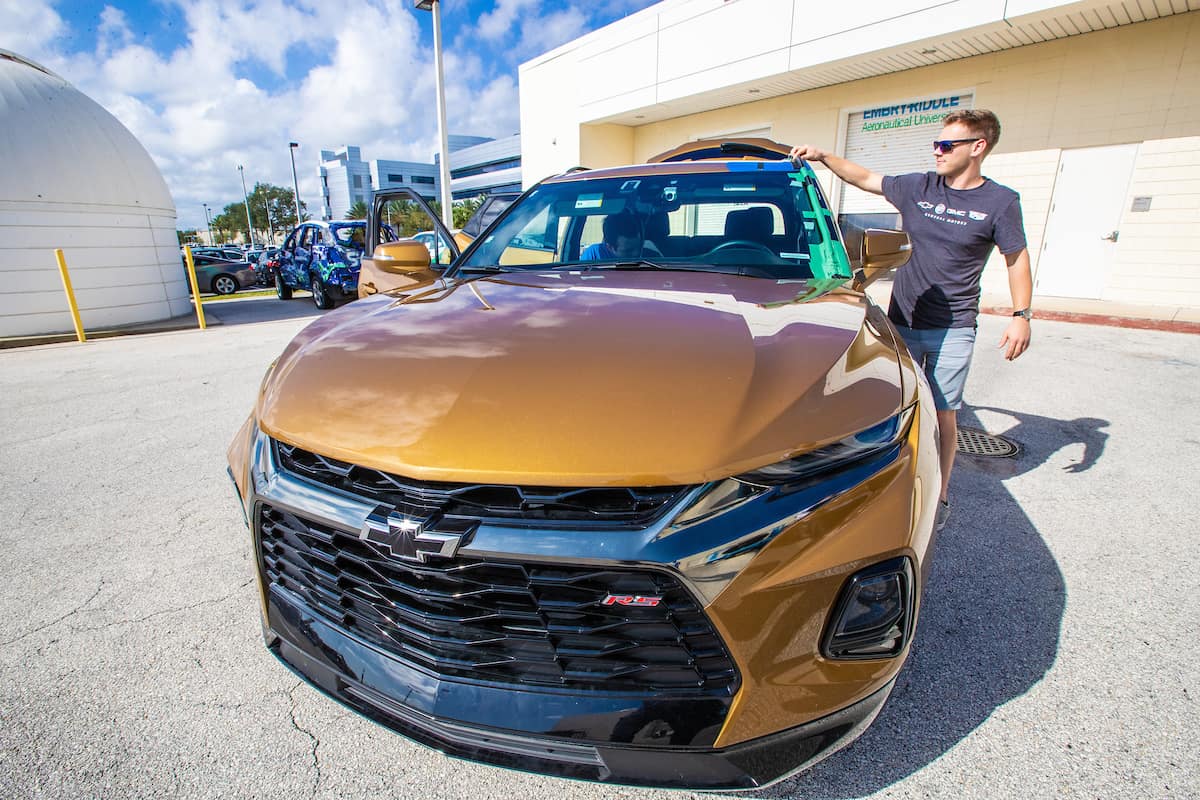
{"type": "Point", "coordinates": [358, 181]}
{"type": "Point", "coordinates": [422, 179]}
{"type": "Point", "coordinates": [482, 169]}
{"type": "Point", "coordinates": [394, 178]}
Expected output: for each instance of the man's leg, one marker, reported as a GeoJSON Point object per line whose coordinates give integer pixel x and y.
{"type": "Point", "coordinates": [947, 447]}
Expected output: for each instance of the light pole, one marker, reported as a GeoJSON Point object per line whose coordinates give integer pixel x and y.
{"type": "Point", "coordinates": [295, 184]}
{"type": "Point", "coordinates": [246, 198]}
{"type": "Point", "coordinates": [435, 7]}
{"type": "Point", "coordinates": [208, 219]}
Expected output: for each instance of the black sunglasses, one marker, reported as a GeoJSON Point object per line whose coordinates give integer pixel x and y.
{"type": "Point", "coordinates": [946, 145]}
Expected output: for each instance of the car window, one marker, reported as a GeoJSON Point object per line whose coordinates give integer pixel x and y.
{"type": "Point", "coordinates": [306, 237]}
{"type": "Point", "coordinates": [354, 236]}
{"type": "Point", "coordinates": [492, 208]}
{"type": "Point", "coordinates": [768, 221]}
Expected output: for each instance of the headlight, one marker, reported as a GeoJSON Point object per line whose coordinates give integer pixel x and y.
{"type": "Point", "coordinates": [853, 448]}
{"type": "Point", "coordinates": [874, 613]}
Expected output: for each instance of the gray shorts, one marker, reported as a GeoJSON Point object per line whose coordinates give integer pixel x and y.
{"type": "Point", "coordinates": [945, 355]}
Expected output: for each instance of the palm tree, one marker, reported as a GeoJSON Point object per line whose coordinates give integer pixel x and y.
{"type": "Point", "coordinates": [357, 211]}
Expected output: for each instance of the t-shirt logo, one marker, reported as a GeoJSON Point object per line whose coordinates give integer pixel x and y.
{"type": "Point", "coordinates": [940, 208]}
{"type": "Point", "coordinates": [925, 205]}
{"type": "Point", "coordinates": [977, 215]}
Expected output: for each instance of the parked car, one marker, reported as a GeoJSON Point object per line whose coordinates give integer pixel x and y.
{"type": "Point", "coordinates": [227, 253]}
{"type": "Point", "coordinates": [221, 275]}
{"type": "Point", "coordinates": [265, 264]}
{"type": "Point", "coordinates": [659, 514]}
{"type": "Point", "coordinates": [324, 258]}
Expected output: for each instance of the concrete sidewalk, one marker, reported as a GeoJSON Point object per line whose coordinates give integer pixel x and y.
{"type": "Point", "coordinates": [1177, 319]}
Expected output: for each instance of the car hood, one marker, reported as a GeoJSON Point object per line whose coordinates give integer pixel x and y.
{"type": "Point", "coordinates": [584, 379]}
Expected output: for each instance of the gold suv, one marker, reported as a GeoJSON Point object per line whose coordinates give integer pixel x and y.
{"type": "Point", "coordinates": [640, 489]}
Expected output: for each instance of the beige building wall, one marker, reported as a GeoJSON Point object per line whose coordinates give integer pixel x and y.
{"type": "Point", "coordinates": [1138, 83]}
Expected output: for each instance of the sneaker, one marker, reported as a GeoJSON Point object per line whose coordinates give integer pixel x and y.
{"type": "Point", "coordinates": [943, 514]}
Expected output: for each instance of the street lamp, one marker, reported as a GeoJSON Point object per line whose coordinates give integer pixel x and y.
{"type": "Point", "coordinates": [208, 219]}
{"type": "Point", "coordinates": [435, 7]}
{"type": "Point", "coordinates": [246, 198]}
{"type": "Point", "coordinates": [295, 184]}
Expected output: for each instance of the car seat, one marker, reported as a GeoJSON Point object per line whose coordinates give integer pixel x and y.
{"type": "Point", "coordinates": [751, 225]}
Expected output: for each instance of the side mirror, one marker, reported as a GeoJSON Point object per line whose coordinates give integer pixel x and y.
{"type": "Point", "coordinates": [881, 251]}
{"type": "Point", "coordinates": [401, 258]}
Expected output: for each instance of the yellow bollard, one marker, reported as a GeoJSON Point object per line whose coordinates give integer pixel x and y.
{"type": "Point", "coordinates": [66, 280]}
{"type": "Point", "coordinates": [191, 266]}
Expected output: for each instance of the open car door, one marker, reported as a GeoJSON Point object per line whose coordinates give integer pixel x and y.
{"type": "Point", "coordinates": [393, 260]}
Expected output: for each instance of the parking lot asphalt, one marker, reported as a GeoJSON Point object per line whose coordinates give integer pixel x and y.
{"type": "Point", "coordinates": [1057, 654]}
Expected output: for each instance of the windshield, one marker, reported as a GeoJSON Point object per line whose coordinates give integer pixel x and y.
{"type": "Point", "coordinates": [353, 235]}
{"type": "Point", "coordinates": [764, 219]}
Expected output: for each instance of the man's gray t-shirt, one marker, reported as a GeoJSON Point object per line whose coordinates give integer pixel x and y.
{"type": "Point", "coordinates": [952, 233]}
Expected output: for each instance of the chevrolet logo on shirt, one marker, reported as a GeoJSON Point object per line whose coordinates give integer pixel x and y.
{"type": "Point", "coordinates": [410, 538]}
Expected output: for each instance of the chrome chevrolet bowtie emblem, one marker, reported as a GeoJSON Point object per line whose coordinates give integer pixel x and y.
{"type": "Point", "coordinates": [409, 538]}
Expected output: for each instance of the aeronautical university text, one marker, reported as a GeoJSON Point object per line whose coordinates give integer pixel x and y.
{"type": "Point", "coordinates": [908, 114]}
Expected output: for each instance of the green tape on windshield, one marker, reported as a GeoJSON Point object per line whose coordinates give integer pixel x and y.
{"type": "Point", "coordinates": [829, 259]}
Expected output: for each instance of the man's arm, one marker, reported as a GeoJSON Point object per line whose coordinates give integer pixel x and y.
{"type": "Point", "coordinates": [851, 173]}
{"type": "Point", "coordinates": [1020, 285]}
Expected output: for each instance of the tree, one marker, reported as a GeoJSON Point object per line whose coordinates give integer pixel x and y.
{"type": "Point", "coordinates": [463, 209]}
{"type": "Point", "coordinates": [357, 211]}
{"type": "Point", "coordinates": [273, 208]}
{"type": "Point", "coordinates": [188, 236]}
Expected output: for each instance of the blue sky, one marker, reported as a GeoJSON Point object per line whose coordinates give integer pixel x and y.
{"type": "Point", "coordinates": [210, 84]}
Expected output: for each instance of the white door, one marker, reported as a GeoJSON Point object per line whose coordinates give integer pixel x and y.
{"type": "Point", "coordinates": [1083, 229]}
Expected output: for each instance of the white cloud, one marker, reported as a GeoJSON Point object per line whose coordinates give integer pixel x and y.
{"type": "Point", "coordinates": [199, 112]}
{"type": "Point", "coordinates": [28, 26]}
{"type": "Point", "coordinates": [499, 21]}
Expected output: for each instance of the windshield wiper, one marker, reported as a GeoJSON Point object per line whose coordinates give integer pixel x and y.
{"type": "Point", "coordinates": [484, 269]}
{"type": "Point", "coordinates": [633, 263]}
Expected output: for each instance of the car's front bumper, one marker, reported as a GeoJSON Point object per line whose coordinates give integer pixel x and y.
{"type": "Point", "coordinates": [793, 707]}
{"type": "Point", "coordinates": [476, 721]}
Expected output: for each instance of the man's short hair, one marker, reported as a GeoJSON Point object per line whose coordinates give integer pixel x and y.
{"type": "Point", "coordinates": [623, 224]}
{"type": "Point", "coordinates": [980, 122]}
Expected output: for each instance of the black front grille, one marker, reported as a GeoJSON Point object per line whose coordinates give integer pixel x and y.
{"type": "Point", "coordinates": [498, 620]}
{"type": "Point", "coordinates": [498, 502]}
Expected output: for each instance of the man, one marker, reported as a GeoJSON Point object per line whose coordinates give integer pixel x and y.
{"type": "Point", "coordinates": [622, 239]}
{"type": "Point", "coordinates": [954, 217]}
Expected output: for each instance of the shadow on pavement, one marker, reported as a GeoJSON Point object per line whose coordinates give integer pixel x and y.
{"type": "Point", "coordinates": [990, 618]}
{"type": "Point", "coordinates": [237, 311]}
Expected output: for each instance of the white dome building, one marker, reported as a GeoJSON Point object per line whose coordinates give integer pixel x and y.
{"type": "Point", "coordinates": [75, 178]}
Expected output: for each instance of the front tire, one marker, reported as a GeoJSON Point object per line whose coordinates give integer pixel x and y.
{"type": "Point", "coordinates": [282, 290]}
{"type": "Point", "coordinates": [321, 297]}
{"type": "Point", "coordinates": [224, 284]}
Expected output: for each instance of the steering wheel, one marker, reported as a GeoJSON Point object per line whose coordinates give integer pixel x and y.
{"type": "Point", "coordinates": [745, 244]}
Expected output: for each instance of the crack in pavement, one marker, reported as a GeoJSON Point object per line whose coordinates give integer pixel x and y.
{"type": "Point", "coordinates": [316, 761]}
{"type": "Point", "coordinates": [53, 622]}
{"type": "Point", "coordinates": [114, 623]}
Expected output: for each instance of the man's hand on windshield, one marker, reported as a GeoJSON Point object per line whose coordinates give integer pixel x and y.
{"type": "Point", "coordinates": [808, 152]}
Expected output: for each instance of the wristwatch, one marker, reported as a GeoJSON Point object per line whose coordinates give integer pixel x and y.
{"type": "Point", "coordinates": [1027, 313]}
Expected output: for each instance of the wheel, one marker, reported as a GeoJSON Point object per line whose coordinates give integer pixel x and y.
{"type": "Point", "coordinates": [282, 290]}
{"type": "Point", "coordinates": [320, 297]}
{"type": "Point", "coordinates": [224, 284]}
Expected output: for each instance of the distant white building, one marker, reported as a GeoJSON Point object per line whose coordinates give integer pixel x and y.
{"type": "Point", "coordinates": [478, 165]}
{"type": "Point", "coordinates": [488, 166]}
{"type": "Point", "coordinates": [75, 178]}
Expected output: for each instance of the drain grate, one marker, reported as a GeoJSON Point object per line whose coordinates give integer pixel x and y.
{"type": "Point", "coordinates": [975, 442]}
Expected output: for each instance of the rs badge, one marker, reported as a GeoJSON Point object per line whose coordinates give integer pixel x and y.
{"type": "Point", "coordinates": [642, 600]}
